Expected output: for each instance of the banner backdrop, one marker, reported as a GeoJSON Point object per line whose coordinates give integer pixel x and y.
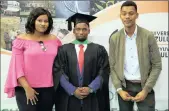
{"type": "Point", "coordinates": [153, 15]}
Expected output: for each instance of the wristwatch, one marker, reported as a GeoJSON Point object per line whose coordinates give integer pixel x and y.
{"type": "Point", "coordinates": [90, 90]}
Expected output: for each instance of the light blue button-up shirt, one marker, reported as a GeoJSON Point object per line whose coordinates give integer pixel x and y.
{"type": "Point", "coordinates": [131, 64]}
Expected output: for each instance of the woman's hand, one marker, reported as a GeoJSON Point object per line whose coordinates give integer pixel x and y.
{"type": "Point", "coordinates": [31, 95]}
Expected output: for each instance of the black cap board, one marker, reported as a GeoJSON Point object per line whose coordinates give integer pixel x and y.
{"type": "Point", "coordinates": [79, 18]}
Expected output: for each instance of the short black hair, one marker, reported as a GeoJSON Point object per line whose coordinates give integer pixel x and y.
{"type": "Point", "coordinates": [34, 14]}
{"type": "Point", "coordinates": [129, 3]}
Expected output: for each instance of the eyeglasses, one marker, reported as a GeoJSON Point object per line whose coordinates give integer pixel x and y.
{"type": "Point", "coordinates": [42, 45]}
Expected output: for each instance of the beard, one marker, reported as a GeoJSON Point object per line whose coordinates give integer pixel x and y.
{"type": "Point", "coordinates": [81, 39]}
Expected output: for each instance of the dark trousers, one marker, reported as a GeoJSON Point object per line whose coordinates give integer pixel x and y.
{"type": "Point", "coordinates": [45, 99]}
{"type": "Point", "coordinates": [133, 89]}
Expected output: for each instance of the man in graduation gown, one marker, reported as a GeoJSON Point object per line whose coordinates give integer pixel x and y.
{"type": "Point", "coordinates": [83, 71]}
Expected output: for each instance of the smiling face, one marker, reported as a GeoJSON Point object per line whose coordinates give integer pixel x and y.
{"type": "Point", "coordinates": [128, 15]}
{"type": "Point", "coordinates": [41, 23]}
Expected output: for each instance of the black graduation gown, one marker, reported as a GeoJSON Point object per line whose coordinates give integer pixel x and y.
{"type": "Point", "coordinates": [95, 63]}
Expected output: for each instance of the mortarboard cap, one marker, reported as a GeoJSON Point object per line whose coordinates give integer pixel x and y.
{"type": "Point", "coordinates": [79, 18]}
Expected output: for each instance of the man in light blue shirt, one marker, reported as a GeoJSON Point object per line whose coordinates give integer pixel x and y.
{"type": "Point", "coordinates": [135, 62]}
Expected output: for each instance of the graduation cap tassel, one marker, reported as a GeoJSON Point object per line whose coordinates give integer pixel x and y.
{"type": "Point", "coordinates": [69, 26]}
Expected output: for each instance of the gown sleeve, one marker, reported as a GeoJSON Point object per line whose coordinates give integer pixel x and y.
{"type": "Point", "coordinates": [58, 66]}
{"type": "Point", "coordinates": [16, 67]}
{"type": "Point", "coordinates": [103, 64]}
{"type": "Point", "coordinates": [60, 71]}
{"type": "Point", "coordinates": [104, 72]}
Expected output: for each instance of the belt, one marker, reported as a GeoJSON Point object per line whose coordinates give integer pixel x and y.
{"type": "Point", "coordinates": [134, 81]}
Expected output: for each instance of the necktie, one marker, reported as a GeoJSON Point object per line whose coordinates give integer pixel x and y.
{"type": "Point", "coordinates": [81, 58]}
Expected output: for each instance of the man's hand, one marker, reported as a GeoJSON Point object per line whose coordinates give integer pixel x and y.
{"type": "Point", "coordinates": [79, 93]}
{"type": "Point", "coordinates": [140, 96]}
{"type": "Point", "coordinates": [125, 95]}
{"type": "Point", "coordinates": [85, 90]}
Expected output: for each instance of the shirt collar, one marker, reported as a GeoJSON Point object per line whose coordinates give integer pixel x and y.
{"type": "Point", "coordinates": [134, 34]}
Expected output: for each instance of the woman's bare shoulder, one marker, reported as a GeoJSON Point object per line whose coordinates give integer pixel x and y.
{"type": "Point", "coordinates": [52, 36]}
{"type": "Point", "coordinates": [23, 36]}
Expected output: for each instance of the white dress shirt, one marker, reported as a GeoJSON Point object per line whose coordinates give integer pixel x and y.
{"type": "Point", "coordinates": [131, 64]}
